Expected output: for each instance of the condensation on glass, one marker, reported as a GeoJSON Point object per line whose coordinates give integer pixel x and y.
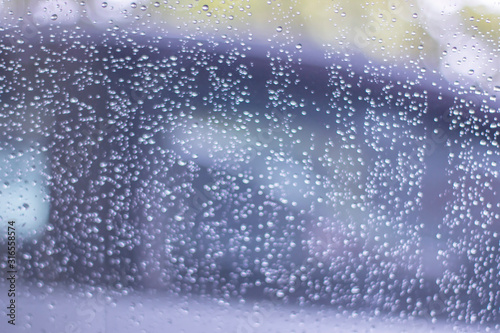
{"type": "Point", "coordinates": [251, 166]}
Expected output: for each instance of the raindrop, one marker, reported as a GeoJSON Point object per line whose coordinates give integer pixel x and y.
{"type": "Point", "coordinates": [53, 17]}
{"type": "Point", "coordinates": [205, 7]}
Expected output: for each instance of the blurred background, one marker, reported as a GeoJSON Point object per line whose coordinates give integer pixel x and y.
{"type": "Point", "coordinates": [320, 161]}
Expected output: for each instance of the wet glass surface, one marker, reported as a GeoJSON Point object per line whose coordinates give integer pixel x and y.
{"type": "Point", "coordinates": [250, 167]}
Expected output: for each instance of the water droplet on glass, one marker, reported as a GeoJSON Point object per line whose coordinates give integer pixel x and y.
{"type": "Point", "coordinates": [205, 7]}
